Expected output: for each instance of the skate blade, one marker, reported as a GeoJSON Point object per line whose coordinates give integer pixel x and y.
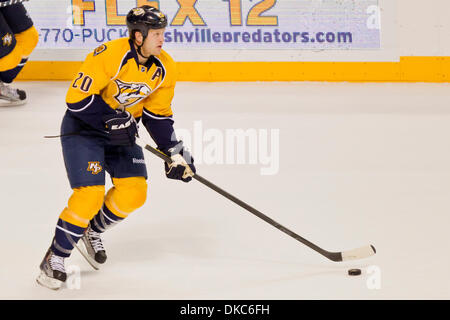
{"type": "Point", "coordinates": [8, 103]}
{"type": "Point", "coordinates": [48, 282]}
{"type": "Point", "coordinates": [87, 257]}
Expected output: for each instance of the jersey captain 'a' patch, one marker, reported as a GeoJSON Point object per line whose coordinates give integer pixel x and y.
{"type": "Point", "coordinates": [131, 93]}
{"type": "Point", "coordinates": [157, 73]}
{"type": "Point", "coordinates": [160, 71]}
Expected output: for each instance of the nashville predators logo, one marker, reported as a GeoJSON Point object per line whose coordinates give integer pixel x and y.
{"type": "Point", "coordinates": [7, 40]}
{"type": "Point", "coordinates": [99, 50]}
{"type": "Point", "coordinates": [138, 11]}
{"type": "Point", "coordinates": [94, 167]}
{"type": "Point", "coordinates": [131, 93]}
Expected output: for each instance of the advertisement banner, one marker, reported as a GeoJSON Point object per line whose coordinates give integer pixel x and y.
{"type": "Point", "coordinates": [216, 24]}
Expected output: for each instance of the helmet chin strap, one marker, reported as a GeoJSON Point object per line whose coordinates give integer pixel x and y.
{"type": "Point", "coordinates": [139, 49]}
{"type": "Point", "coordinates": [140, 52]}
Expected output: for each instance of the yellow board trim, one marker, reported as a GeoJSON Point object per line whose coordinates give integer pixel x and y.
{"type": "Point", "coordinates": [409, 69]}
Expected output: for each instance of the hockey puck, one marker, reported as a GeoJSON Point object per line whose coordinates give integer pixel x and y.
{"type": "Point", "coordinates": [354, 272]}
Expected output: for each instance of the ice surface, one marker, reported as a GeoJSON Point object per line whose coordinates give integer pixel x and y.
{"type": "Point", "coordinates": [359, 164]}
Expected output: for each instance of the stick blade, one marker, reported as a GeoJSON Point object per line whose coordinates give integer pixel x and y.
{"type": "Point", "coordinates": [359, 253]}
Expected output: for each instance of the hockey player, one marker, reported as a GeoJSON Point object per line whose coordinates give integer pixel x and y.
{"type": "Point", "coordinates": [18, 38]}
{"type": "Point", "coordinates": [120, 83]}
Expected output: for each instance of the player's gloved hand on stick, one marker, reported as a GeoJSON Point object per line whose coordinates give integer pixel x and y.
{"type": "Point", "coordinates": [122, 128]}
{"type": "Point", "coordinates": [182, 166]}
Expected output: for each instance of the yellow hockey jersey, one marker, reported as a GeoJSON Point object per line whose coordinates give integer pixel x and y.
{"type": "Point", "coordinates": [111, 78]}
{"type": "Point", "coordinates": [113, 72]}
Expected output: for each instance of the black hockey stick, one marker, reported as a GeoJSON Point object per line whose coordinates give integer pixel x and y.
{"type": "Point", "coordinates": [10, 3]}
{"type": "Point", "coordinates": [359, 253]}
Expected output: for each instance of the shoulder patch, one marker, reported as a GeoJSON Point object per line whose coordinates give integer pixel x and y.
{"type": "Point", "coordinates": [99, 50]}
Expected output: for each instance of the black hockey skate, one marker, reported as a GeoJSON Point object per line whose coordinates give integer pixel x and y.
{"type": "Point", "coordinates": [94, 245]}
{"type": "Point", "coordinates": [11, 96]}
{"type": "Point", "coordinates": [53, 272]}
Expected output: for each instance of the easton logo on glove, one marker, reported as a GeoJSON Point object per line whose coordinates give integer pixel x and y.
{"type": "Point", "coordinates": [122, 128]}
{"type": "Point", "coordinates": [121, 125]}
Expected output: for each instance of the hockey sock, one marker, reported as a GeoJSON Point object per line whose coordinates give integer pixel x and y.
{"type": "Point", "coordinates": [74, 219]}
{"type": "Point", "coordinates": [104, 220]}
{"type": "Point", "coordinates": [66, 235]}
{"type": "Point", "coordinates": [9, 75]}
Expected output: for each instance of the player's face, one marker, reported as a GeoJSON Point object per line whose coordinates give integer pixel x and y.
{"type": "Point", "coordinates": [154, 42]}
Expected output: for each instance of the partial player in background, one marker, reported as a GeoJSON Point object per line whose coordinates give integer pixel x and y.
{"type": "Point", "coordinates": [119, 83]}
{"type": "Point", "coordinates": [18, 38]}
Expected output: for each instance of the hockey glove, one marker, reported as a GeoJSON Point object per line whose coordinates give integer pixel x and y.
{"type": "Point", "coordinates": [122, 128]}
{"type": "Point", "coordinates": [182, 166]}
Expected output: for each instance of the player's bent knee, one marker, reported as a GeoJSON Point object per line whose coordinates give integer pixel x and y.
{"type": "Point", "coordinates": [11, 59]}
{"type": "Point", "coordinates": [27, 40]}
{"type": "Point", "coordinates": [83, 205]}
{"type": "Point", "coordinates": [127, 195]}
{"type": "Point", "coordinates": [22, 45]}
